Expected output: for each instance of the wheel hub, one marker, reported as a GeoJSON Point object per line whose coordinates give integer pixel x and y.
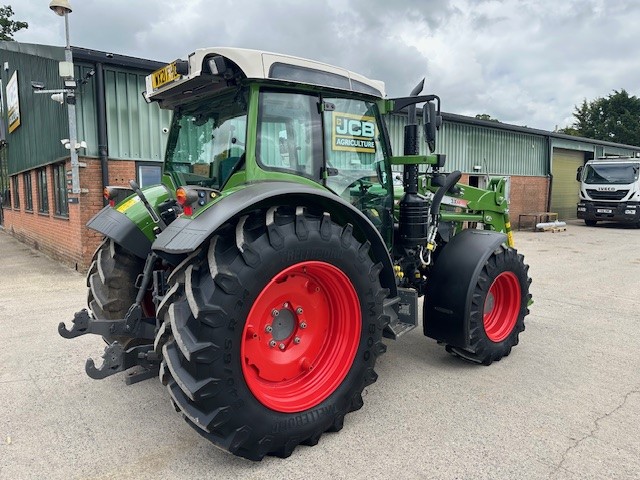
{"type": "Point", "coordinates": [283, 324]}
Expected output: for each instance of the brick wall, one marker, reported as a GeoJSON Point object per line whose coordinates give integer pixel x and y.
{"type": "Point", "coordinates": [70, 241]}
{"type": "Point", "coordinates": [66, 239]}
{"type": "Point", "coordinates": [527, 194]}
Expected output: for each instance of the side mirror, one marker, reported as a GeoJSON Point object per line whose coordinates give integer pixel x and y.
{"type": "Point", "coordinates": [432, 123]}
{"type": "Point", "coordinates": [579, 173]}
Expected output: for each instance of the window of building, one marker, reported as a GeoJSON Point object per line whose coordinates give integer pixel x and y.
{"type": "Point", "coordinates": [28, 192]}
{"type": "Point", "coordinates": [15, 193]}
{"type": "Point", "coordinates": [149, 175]}
{"type": "Point", "coordinates": [43, 192]}
{"type": "Point", "coordinates": [60, 190]}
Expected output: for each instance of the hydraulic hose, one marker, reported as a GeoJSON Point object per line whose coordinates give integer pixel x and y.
{"type": "Point", "coordinates": [449, 182]}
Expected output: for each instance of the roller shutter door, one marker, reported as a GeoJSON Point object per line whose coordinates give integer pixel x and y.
{"type": "Point", "coordinates": [565, 189]}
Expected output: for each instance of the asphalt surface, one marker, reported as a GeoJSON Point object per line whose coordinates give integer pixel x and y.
{"type": "Point", "coordinates": [564, 405]}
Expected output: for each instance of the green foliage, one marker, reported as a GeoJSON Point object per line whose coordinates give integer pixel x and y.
{"type": "Point", "coordinates": [486, 116]}
{"type": "Point", "coordinates": [615, 118]}
{"type": "Point", "coordinates": [7, 26]}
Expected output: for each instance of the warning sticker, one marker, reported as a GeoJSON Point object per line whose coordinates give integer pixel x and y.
{"type": "Point", "coordinates": [353, 133]}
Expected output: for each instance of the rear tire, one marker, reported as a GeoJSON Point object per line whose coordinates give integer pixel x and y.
{"type": "Point", "coordinates": [499, 304]}
{"type": "Point", "coordinates": [276, 327]}
{"type": "Point", "coordinates": [590, 223]}
{"type": "Point", "coordinates": [111, 281]}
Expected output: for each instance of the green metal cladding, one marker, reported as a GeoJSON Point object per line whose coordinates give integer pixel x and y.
{"type": "Point", "coordinates": [496, 151]}
{"type": "Point", "coordinates": [134, 128]}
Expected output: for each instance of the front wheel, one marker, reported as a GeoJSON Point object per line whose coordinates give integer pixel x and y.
{"type": "Point", "coordinates": [499, 305]}
{"type": "Point", "coordinates": [590, 223]}
{"type": "Point", "coordinates": [276, 327]}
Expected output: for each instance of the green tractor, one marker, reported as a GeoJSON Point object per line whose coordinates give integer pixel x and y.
{"type": "Point", "coordinates": [259, 279]}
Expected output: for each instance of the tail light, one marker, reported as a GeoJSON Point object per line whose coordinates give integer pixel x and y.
{"type": "Point", "coordinates": [115, 195]}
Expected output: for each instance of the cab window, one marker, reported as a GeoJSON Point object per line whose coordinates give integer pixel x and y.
{"type": "Point", "coordinates": [289, 134]}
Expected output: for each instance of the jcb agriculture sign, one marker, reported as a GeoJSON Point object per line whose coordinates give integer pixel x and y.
{"type": "Point", "coordinates": [353, 133]}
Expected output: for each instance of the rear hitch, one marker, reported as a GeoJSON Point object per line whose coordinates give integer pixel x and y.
{"type": "Point", "coordinates": [131, 326]}
{"type": "Point", "coordinates": [141, 363]}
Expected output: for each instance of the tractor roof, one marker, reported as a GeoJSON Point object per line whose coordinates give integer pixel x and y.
{"type": "Point", "coordinates": [256, 64]}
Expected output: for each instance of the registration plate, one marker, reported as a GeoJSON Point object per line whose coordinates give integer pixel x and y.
{"type": "Point", "coordinates": [166, 74]}
{"type": "Point", "coordinates": [604, 210]}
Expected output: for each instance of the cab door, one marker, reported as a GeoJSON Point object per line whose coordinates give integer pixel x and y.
{"type": "Point", "coordinates": [355, 163]}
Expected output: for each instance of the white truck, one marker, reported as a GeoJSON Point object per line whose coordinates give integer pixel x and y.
{"type": "Point", "coordinates": [610, 190]}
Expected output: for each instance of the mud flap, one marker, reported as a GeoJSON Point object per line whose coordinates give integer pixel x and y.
{"type": "Point", "coordinates": [451, 283]}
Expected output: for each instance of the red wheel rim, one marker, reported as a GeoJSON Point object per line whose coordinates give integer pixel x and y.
{"type": "Point", "coordinates": [301, 336]}
{"type": "Point", "coordinates": [502, 306]}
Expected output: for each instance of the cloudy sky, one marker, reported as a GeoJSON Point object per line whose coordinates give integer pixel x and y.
{"type": "Point", "coordinates": [526, 62]}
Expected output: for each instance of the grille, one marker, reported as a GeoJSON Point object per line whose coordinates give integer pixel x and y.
{"type": "Point", "coordinates": [617, 195]}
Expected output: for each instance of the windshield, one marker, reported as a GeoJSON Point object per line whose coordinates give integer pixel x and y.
{"type": "Point", "coordinates": [207, 140]}
{"type": "Point", "coordinates": [618, 174]}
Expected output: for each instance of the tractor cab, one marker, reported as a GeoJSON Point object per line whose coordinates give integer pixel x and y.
{"type": "Point", "coordinates": [305, 124]}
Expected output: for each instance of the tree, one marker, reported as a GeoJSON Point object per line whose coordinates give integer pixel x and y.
{"type": "Point", "coordinates": [615, 118]}
{"type": "Point", "coordinates": [7, 26]}
{"type": "Point", "coordinates": [486, 116]}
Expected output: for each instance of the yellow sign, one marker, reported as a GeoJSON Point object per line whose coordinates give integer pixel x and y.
{"type": "Point", "coordinates": [13, 102]}
{"type": "Point", "coordinates": [354, 133]}
{"type": "Point", "coordinates": [166, 74]}
{"type": "Point", "coordinates": [128, 204]}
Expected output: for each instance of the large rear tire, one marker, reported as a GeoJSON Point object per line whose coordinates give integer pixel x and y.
{"type": "Point", "coordinates": [276, 326]}
{"type": "Point", "coordinates": [499, 304]}
{"type": "Point", "coordinates": [111, 281]}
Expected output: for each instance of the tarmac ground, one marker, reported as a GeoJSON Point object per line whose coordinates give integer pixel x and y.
{"type": "Point", "coordinates": [564, 405]}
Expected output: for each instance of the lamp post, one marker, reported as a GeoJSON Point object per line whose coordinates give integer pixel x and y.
{"type": "Point", "coordinates": [63, 9]}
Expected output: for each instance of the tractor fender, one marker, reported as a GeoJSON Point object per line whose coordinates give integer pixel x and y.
{"type": "Point", "coordinates": [451, 284]}
{"type": "Point", "coordinates": [184, 235]}
{"type": "Point", "coordinates": [117, 226]}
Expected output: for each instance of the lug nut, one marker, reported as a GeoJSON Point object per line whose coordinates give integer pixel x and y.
{"type": "Point", "coordinates": [268, 329]}
{"type": "Point", "coordinates": [299, 310]}
{"type": "Point", "coordinates": [286, 305]}
{"type": "Point", "coordinates": [281, 346]}
{"type": "Point", "coordinates": [303, 324]}
{"type": "Point", "coordinates": [272, 343]}
{"type": "Point", "coordinates": [296, 340]}
{"type": "Point", "coordinates": [275, 313]}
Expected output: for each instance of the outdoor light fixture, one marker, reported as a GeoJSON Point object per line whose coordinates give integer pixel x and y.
{"type": "Point", "coordinates": [60, 7]}
{"type": "Point", "coordinates": [63, 9]}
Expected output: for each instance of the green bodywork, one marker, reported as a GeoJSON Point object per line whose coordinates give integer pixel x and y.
{"type": "Point", "coordinates": [135, 210]}
{"type": "Point", "coordinates": [488, 207]}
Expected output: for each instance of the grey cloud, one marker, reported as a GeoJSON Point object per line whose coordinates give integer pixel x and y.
{"type": "Point", "coordinates": [522, 61]}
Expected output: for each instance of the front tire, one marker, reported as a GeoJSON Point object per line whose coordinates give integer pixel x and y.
{"type": "Point", "coordinates": [590, 223]}
{"type": "Point", "coordinates": [499, 304]}
{"type": "Point", "coordinates": [276, 327]}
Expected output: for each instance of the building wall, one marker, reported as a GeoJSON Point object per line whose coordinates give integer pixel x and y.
{"type": "Point", "coordinates": [66, 239]}
{"type": "Point", "coordinates": [527, 195]}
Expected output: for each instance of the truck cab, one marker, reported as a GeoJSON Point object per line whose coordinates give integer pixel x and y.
{"type": "Point", "coordinates": [610, 190]}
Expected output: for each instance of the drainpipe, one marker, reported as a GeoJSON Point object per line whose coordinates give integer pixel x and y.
{"type": "Point", "coordinates": [550, 158]}
{"type": "Point", "coordinates": [101, 113]}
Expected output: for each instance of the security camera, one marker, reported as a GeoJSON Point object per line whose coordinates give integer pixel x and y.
{"type": "Point", "coordinates": [477, 168]}
{"type": "Point", "coordinates": [165, 130]}
{"type": "Point", "coordinates": [37, 85]}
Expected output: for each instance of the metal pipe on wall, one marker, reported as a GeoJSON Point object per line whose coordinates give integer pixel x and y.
{"type": "Point", "coordinates": [101, 113]}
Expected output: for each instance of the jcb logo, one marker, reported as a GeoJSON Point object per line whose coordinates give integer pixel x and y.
{"type": "Point", "coordinates": [355, 128]}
